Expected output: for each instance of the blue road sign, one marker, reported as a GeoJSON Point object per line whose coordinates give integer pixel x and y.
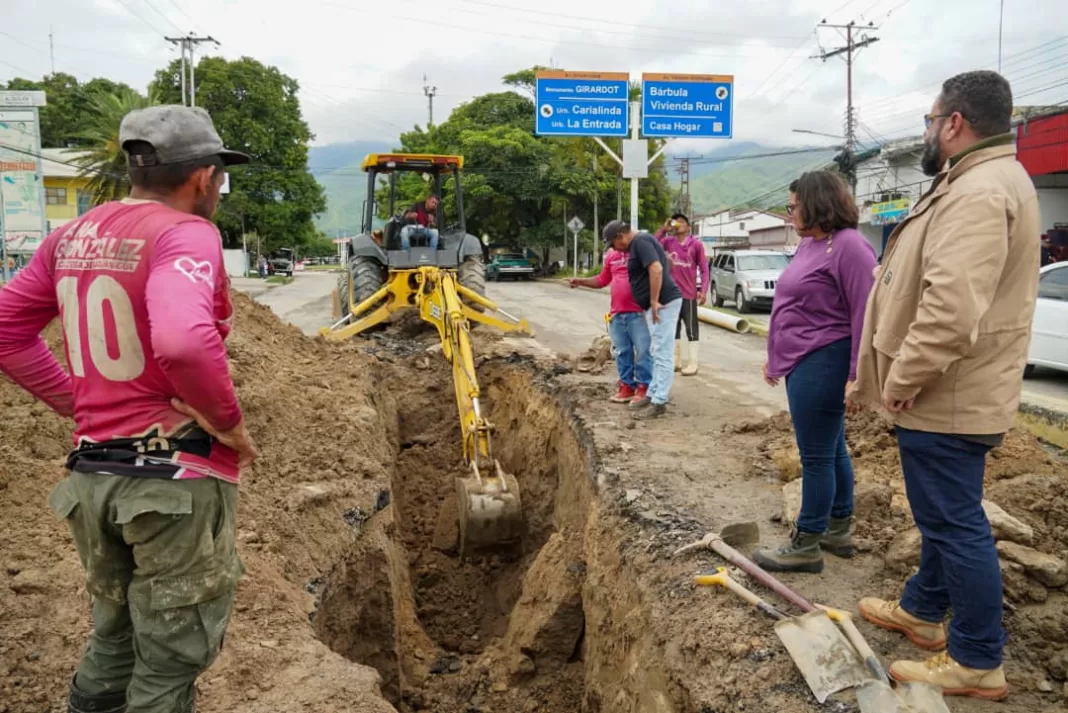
{"type": "Point", "coordinates": [696, 106]}
{"type": "Point", "coordinates": [581, 103]}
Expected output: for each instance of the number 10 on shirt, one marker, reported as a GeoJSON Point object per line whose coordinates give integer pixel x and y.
{"type": "Point", "coordinates": [114, 349]}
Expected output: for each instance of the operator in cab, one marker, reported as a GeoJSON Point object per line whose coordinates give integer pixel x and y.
{"type": "Point", "coordinates": [422, 214]}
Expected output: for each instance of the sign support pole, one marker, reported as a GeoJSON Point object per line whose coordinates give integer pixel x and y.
{"type": "Point", "coordinates": [635, 127]}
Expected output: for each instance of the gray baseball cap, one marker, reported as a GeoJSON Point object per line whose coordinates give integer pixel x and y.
{"type": "Point", "coordinates": [177, 133]}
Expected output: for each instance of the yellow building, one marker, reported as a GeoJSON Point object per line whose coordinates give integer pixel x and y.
{"type": "Point", "coordinates": [66, 196]}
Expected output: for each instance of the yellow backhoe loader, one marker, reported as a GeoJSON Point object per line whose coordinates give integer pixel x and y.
{"type": "Point", "coordinates": [440, 273]}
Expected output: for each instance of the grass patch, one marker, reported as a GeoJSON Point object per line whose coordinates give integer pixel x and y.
{"type": "Point", "coordinates": [278, 280]}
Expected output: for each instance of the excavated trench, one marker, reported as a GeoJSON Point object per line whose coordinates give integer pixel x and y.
{"type": "Point", "coordinates": [544, 627]}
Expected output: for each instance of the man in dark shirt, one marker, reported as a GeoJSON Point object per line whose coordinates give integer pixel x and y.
{"type": "Point", "coordinates": [657, 294]}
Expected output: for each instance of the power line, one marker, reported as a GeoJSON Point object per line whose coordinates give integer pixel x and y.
{"type": "Point", "coordinates": [437, 23]}
{"type": "Point", "coordinates": [158, 12]}
{"type": "Point", "coordinates": [137, 15]}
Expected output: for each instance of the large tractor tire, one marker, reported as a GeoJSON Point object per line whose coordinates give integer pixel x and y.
{"type": "Point", "coordinates": [367, 278]}
{"type": "Point", "coordinates": [472, 275]}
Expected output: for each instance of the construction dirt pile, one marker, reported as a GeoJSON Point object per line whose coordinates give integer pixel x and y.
{"type": "Point", "coordinates": [1026, 502]}
{"type": "Point", "coordinates": [354, 598]}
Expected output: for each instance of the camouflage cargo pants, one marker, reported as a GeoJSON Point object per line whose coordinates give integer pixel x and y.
{"type": "Point", "coordinates": [161, 566]}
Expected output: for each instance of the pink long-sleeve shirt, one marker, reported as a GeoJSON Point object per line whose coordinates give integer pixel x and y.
{"type": "Point", "coordinates": [614, 273]}
{"type": "Point", "coordinates": [145, 306]}
{"type": "Point", "coordinates": [689, 261]}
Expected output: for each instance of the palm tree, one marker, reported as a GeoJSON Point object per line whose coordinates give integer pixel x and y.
{"type": "Point", "coordinates": [104, 162]}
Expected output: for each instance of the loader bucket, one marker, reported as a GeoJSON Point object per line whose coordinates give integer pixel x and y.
{"type": "Point", "coordinates": [490, 510]}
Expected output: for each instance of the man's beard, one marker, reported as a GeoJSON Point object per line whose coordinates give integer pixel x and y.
{"type": "Point", "coordinates": [931, 162]}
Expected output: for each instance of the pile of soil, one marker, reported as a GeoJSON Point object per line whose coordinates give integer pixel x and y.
{"type": "Point", "coordinates": [354, 597]}
{"type": "Point", "coordinates": [1026, 494]}
{"type": "Point", "coordinates": [325, 439]}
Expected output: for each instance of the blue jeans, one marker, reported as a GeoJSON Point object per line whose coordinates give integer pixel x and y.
{"type": "Point", "coordinates": [662, 348]}
{"type": "Point", "coordinates": [958, 560]}
{"type": "Point", "coordinates": [406, 242]}
{"type": "Point", "coordinates": [630, 345]}
{"type": "Point", "coordinates": [815, 391]}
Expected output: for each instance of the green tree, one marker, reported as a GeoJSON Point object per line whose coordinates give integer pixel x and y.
{"type": "Point", "coordinates": [69, 111]}
{"type": "Point", "coordinates": [104, 162]}
{"type": "Point", "coordinates": [520, 188]}
{"type": "Point", "coordinates": [256, 110]}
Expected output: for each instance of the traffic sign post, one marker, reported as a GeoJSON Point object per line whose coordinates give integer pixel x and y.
{"type": "Point", "coordinates": [597, 105]}
{"type": "Point", "coordinates": [581, 103]}
{"type": "Point", "coordinates": [696, 106]}
{"type": "Point", "coordinates": [575, 225]}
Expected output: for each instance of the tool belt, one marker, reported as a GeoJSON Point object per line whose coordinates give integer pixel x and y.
{"type": "Point", "coordinates": [150, 455]}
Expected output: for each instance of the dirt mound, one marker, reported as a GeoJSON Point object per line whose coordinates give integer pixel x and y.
{"type": "Point", "coordinates": [1026, 501]}
{"type": "Point", "coordinates": [324, 438]}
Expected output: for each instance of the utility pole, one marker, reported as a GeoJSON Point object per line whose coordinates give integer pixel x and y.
{"type": "Point", "coordinates": [850, 48]}
{"type": "Point", "coordinates": [52, 49]}
{"type": "Point", "coordinates": [684, 187]}
{"type": "Point", "coordinates": [188, 45]}
{"type": "Point", "coordinates": [1001, 25]}
{"type": "Point", "coordinates": [430, 92]}
{"type": "Point", "coordinates": [596, 228]}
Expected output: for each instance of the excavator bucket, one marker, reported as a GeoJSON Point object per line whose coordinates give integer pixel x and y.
{"type": "Point", "coordinates": [490, 510]}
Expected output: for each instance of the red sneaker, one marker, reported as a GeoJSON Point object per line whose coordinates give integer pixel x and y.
{"type": "Point", "coordinates": [624, 394]}
{"type": "Point", "coordinates": [640, 397]}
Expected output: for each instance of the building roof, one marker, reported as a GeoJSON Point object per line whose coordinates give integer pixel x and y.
{"type": "Point", "coordinates": [61, 163]}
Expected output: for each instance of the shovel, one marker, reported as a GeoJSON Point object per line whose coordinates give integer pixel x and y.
{"type": "Point", "coordinates": [823, 656]}
{"type": "Point", "coordinates": [819, 653]}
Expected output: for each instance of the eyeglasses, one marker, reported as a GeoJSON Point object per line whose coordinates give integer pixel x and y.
{"type": "Point", "coordinates": [928, 119]}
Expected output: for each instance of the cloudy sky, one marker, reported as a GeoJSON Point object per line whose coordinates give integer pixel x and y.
{"type": "Point", "coordinates": [361, 64]}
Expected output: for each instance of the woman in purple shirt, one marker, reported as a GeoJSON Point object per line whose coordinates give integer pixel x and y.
{"type": "Point", "coordinates": [813, 338]}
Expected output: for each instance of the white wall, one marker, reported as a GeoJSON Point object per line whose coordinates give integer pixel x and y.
{"type": "Point", "coordinates": [235, 262]}
{"type": "Point", "coordinates": [901, 173]}
{"type": "Point", "coordinates": [736, 226]}
{"type": "Point", "coordinates": [1053, 204]}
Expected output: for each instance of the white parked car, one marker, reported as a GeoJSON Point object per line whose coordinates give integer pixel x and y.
{"type": "Point", "coordinates": [1049, 331]}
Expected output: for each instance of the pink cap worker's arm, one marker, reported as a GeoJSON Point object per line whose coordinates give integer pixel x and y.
{"type": "Point", "coordinates": [27, 305]}
{"type": "Point", "coordinates": [180, 297]}
{"type": "Point", "coordinates": [702, 267]}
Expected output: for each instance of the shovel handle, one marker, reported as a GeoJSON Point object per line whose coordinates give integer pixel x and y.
{"type": "Point", "coordinates": [723, 579]}
{"type": "Point", "coordinates": [760, 574]}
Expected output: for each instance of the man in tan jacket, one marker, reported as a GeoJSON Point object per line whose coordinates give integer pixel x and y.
{"type": "Point", "coordinates": [946, 334]}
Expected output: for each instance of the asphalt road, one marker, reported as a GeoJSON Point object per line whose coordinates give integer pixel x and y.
{"type": "Point", "coordinates": [567, 320]}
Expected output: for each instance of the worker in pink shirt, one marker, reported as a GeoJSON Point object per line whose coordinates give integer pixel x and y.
{"type": "Point", "coordinates": [687, 255]}
{"type": "Point", "coordinates": [631, 341]}
{"type": "Point", "coordinates": [151, 499]}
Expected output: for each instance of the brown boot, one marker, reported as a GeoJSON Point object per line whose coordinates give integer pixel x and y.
{"type": "Point", "coordinates": [889, 615]}
{"type": "Point", "coordinates": [952, 678]}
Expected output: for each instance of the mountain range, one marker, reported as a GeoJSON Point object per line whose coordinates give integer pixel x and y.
{"type": "Point", "coordinates": [737, 173]}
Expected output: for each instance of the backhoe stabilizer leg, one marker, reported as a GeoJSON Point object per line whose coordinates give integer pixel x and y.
{"type": "Point", "coordinates": [513, 324]}
{"type": "Point", "coordinates": [373, 317]}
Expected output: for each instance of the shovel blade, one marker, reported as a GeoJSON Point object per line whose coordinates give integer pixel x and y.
{"type": "Point", "coordinates": [822, 653]}
{"type": "Point", "coordinates": [922, 697]}
{"type": "Point", "coordinates": [877, 697]}
{"type": "Point", "coordinates": [741, 534]}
